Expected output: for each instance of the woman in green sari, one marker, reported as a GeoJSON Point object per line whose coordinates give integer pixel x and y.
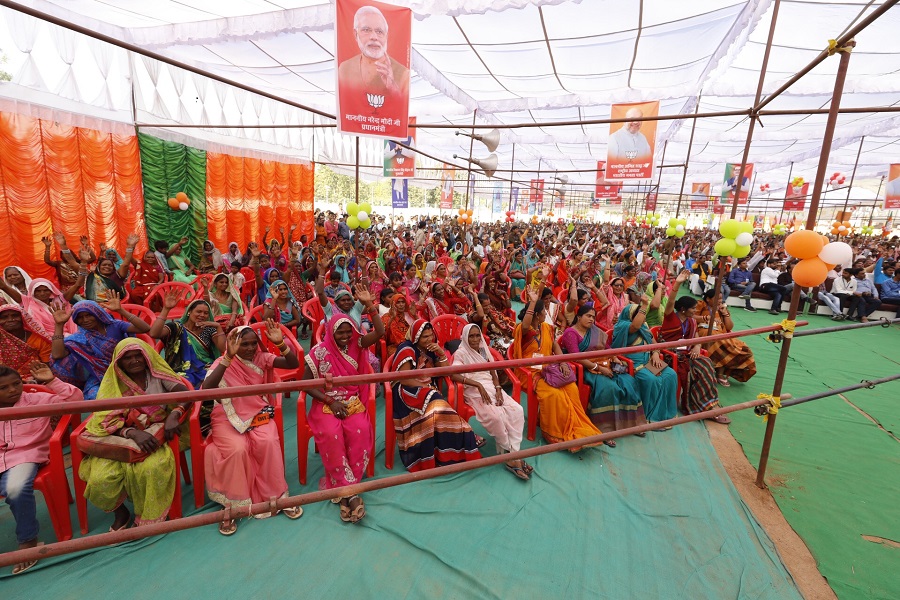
{"type": "Point", "coordinates": [192, 342]}
{"type": "Point", "coordinates": [182, 269]}
{"type": "Point", "coordinates": [136, 369]}
{"type": "Point", "coordinates": [225, 301]}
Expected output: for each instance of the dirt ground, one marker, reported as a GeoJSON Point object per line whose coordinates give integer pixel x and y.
{"type": "Point", "coordinates": [794, 553]}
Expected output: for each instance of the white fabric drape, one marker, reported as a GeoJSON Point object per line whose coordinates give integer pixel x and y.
{"type": "Point", "coordinates": [24, 30]}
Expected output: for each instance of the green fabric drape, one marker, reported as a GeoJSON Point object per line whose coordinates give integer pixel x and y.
{"type": "Point", "coordinates": [169, 168]}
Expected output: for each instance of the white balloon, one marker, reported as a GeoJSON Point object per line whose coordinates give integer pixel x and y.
{"type": "Point", "coordinates": [842, 229]}
{"type": "Point", "coordinates": [679, 228]}
{"type": "Point", "coordinates": [744, 239]}
{"type": "Point", "coordinates": [836, 253]}
{"type": "Point", "coordinates": [183, 206]}
{"type": "Point", "coordinates": [362, 216]}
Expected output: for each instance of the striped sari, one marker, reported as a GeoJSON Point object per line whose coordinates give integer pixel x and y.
{"type": "Point", "coordinates": [732, 357]}
{"type": "Point", "coordinates": [696, 376]}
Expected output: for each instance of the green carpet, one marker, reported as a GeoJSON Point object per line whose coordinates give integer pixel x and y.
{"type": "Point", "coordinates": [833, 472]}
{"type": "Point", "coordinates": [653, 518]}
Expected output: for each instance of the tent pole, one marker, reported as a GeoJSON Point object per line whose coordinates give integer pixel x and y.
{"type": "Point", "coordinates": [790, 172]}
{"type": "Point", "coordinates": [853, 175]}
{"type": "Point", "coordinates": [844, 50]}
{"type": "Point", "coordinates": [874, 204]}
{"type": "Point", "coordinates": [687, 159]}
{"type": "Point", "coordinates": [512, 176]}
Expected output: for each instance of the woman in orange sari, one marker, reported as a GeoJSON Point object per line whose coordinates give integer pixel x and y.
{"type": "Point", "coordinates": [562, 415]}
{"type": "Point", "coordinates": [396, 323]}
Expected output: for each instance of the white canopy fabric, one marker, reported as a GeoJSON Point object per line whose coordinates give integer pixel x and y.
{"type": "Point", "coordinates": [513, 61]}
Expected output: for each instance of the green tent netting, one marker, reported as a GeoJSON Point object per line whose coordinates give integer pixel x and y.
{"type": "Point", "coordinates": [169, 168]}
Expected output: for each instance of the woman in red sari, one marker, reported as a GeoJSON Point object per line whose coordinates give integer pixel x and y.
{"type": "Point", "coordinates": [436, 302]}
{"type": "Point", "coordinates": [21, 344]}
{"type": "Point", "coordinates": [147, 275]}
{"type": "Point", "coordinates": [397, 322]}
{"type": "Point", "coordinates": [243, 457]}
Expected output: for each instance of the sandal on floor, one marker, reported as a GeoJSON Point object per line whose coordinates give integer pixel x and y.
{"type": "Point", "coordinates": [345, 510]}
{"type": "Point", "coordinates": [518, 472]}
{"type": "Point", "coordinates": [723, 381]}
{"type": "Point", "coordinates": [295, 512]}
{"type": "Point", "coordinates": [641, 434]}
{"type": "Point", "coordinates": [723, 419]}
{"type": "Point", "coordinates": [125, 526]}
{"type": "Point", "coordinates": [304, 335]}
{"type": "Point", "coordinates": [22, 567]}
{"type": "Point", "coordinates": [528, 468]}
{"type": "Point", "coordinates": [356, 514]}
{"type": "Point", "coordinates": [610, 443]}
{"type": "Point", "coordinates": [479, 441]}
{"type": "Point", "coordinates": [227, 528]}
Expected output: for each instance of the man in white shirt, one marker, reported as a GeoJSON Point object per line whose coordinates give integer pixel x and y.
{"type": "Point", "coordinates": [844, 289]}
{"type": "Point", "coordinates": [768, 283]}
{"type": "Point", "coordinates": [868, 297]}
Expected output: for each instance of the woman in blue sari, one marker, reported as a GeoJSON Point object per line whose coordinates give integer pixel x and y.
{"type": "Point", "coordinates": [657, 383]}
{"type": "Point", "coordinates": [192, 342]}
{"type": "Point", "coordinates": [614, 400]}
{"type": "Point", "coordinates": [281, 306]}
{"type": "Point", "coordinates": [83, 357]}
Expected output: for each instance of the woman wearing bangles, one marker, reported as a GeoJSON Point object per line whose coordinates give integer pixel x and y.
{"type": "Point", "coordinates": [243, 458]}
{"type": "Point", "coordinates": [338, 417]}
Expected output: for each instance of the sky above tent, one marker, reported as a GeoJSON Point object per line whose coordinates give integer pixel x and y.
{"type": "Point", "coordinates": [515, 62]}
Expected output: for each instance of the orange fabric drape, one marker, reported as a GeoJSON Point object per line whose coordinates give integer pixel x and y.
{"type": "Point", "coordinates": [58, 178]}
{"type": "Point", "coordinates": [244, 195]}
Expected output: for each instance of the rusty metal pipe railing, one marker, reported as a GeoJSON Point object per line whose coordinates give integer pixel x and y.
{"type": "Point", "coordinates": [8, 414]}
{"type": "Point", "coordinates": [864, 384]}
{"type": "Point", "coordinates": [882, 322]}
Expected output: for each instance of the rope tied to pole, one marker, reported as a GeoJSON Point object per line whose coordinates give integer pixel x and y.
{"type": "Point", "coordinates": [764, 410]}
{"type": "Point", "coordinates": [833, 47]}
{"type": "Point", "coordinates": [788, 325]}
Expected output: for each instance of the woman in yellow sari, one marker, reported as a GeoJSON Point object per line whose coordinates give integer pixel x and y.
{"type": "Point", "coordinates": [562, 416]}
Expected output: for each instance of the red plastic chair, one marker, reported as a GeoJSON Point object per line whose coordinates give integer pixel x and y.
{"type": "Point", "coordinates": [255, 314]}
{"type": "Point", "coordinates": [198, 445]}
{"type": "Point", "coordinates": [447, 328]}
{"type": "Point", "coordinates": [319, 333]}
{"type": "Point", "coordinates": [304, 433]}
{"type": "Point", "coordinates": [51, 480]}
{"type": "Point", "coordinates": [160, 291]}
{"type": "Point", "coordinates": [248, 290]}
{"type": "Point", "coordinates": [195, 284]}
{"type": "Point", "coordinates": [81, 502]}
{"type": "Point", "coordinates": [530, 398]}
{"type": "Point", "coordinates": [283, 374]}
{"type": "Point", "coordinates": [146, 315]}
{"type": "Point", "coordinates": [313, 311]}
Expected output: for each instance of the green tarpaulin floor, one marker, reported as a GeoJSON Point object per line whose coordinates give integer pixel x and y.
{"type": "Point", "coordinates": [655, 517]}
{"type": "Point", "coordinates": [833, 471]}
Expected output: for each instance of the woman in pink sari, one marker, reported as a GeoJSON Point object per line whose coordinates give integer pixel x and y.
{"type": "Point", "coordinates": [41, 293]}
{"type": "Point", "coordinates": [243, 457]}
{"type": "Point", "coordinates": [338, 418]}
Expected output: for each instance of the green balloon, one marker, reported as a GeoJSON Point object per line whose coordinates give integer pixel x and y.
{"type": "Point", "coordinates": [673, 222]}
{"type": "Point", "coordinates": [679, 234]}
{"type": "Point", "coordinates": [570, 228]}
{"type": "Point", "coordinates": [365, 207]}
{"type": "Point", "coordinates": [725, 247]}
{"type": "Point", "coordinates": [729, 228]}
{"type": "Point", "coordinates": [682, 222]}
{"type": "Point", "coordinates": [670, 231]}
{"type": "Point", "coordinates": [352, 209]}
{"type": "Point", "coordinates": [745, 227]}
{"type": "Point", "coordinates": [741, 251]}
{"type": "Point", "coordinates": [365, 224]}
{"type": "Point", "coordinates": [352, 221]}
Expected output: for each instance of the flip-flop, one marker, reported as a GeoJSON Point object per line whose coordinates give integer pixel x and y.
{"type": "Point", "coordinates": [480, 441]}
{"type": "Point", "coordinates": [356, 514]}
{"type": "Point", "coordinates": [295, 512]}
{"type": "Point", "coordinates": [528, 468]}
{"type": "Point", "coordinates": [518, 472]}
{"type": "Point", "coordinates": [125, 526]}
{"type": "Point", "coordinates": [723, 381]}
{"type": "Point", "coordinates": [227, 528]}
{"type": "Point", "coordinates": [610, 443]}
{"type": "Point", "coordinates": [22, 567]}
{"type": "Point", "coordinates": [723, 419]}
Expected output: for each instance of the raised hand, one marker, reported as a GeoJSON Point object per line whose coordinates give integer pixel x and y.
{"type": "Point", "coordinates": [183, 241]}
{"type": "Point", "coordinates": [254, 250]}
{"type": "Point", "coordinates": [132, 240]}
{"type": "Point", "coordinates": [281, 230]}
{"type": "Point", "coordinates": [102, 248]}
{"type": "Point", "coordinates": [85, 242]}
{"type": "Point", "coordinates": [171, 299]}
{"type": "Point", "coordinates": [683, 276]}
{"type": "Point", "coordinates": [61, 312]}
{"type": "Point", "coordinates": [268, 228]}
{"type": "Point", "coordinates": [273, 332]}
{"type": "Point", "coordinates": [232, 343]}
{"type": "Point", "coordinates": [113, 301]}
{"type": "Point", "coordinates": [84, 255]}
{"type": "Point", "coordinates": [47, 241]}
{"type": "Point", "coordinates": [60, 239]}
{"type": "Point", "coordinates": [363, 294]}
{"type": "Point", "coordinates": [41, 372]}
{"type": "Point", "coordinates": [533, 295]}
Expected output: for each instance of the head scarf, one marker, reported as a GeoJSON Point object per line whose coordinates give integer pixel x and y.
{"type": "Point", "coordinates": [235, 256]}
{"type": "Point", "coordinates": [15, 353]}
{"type": "Point", "coordinates": [40, 311]}
{"type": "Point", "coordinates": [352, 361]}
{"type": "Point", "coordinates": [415, 331]}
{"type": "Point", "coordinates": [190, 307]}
{"type": "Point", "coordinates": [466, 355]}
{"type": "Point", "coordinates": [621, 335]}
{"type": "Point", "coordinates": [3, 295]}
{"type": "Point", "coordinates": [429, 269]}
{"type": "Point", "coordinates": [97, 284]}
{"type": "Point", "coordinates": [213, 256]}
{"type": "Point", "coordinates": [342, 271]}
{"type": "Point", "coordinates": [232, 292]}
{"type": "Point", "coordinates": [275, 284]}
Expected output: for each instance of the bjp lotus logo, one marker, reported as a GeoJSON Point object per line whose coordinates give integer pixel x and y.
{"type": "Point", "coordinates": [630, 154]}
{"type": "Point", "coordinates": [375, 101]}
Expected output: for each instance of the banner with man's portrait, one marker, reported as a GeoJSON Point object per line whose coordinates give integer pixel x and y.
{"type": "Point", "coordinates": [400, 161]}
{"type": "Point", "coordinates": [537, 195]}
{"type": "Point", "coordinates": [650, 202]}
{"type": "Point", "coordinates": [513, 199]}
{"type": "Point", "coordinates": [373, 42]}
{"type": "Point", "coordinates": [795, 196]}
{"type": "Point", "coordinates": [604, 188]}
{"type": "Point", "coordinates": [632, 144]}
{"type": "Point", "coordinates": [729, 185]}
{"type": "Point", "coordinates": [447, 177]}
{"type": "Point", "coordinates": [700, 196]}
{"type": "Point", "coordinates": [892, 191]}
{"type": "Point", "coordinates": [497, 198]}
{"type": "Point", "coordinates": [399, 193]}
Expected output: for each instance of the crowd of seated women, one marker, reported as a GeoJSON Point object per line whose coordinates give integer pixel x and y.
{"type": "Point", "coordinates": [368, 308]}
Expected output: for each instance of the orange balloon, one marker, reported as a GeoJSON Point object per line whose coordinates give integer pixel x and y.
{"type": "Point", "coordinates": [462, 212]}
{"type": "Point", "coordinates": [460, 220]}
{"type": "Point", "coordinates": [834, 231]}
{"type": "Point", "coordinates": [469, 212]}
{"type": "Point", "coordinates": [803, 244]}
{"type": "Point", "coordinates": [825, 239]}
{"type": "Point", "coordinates": [830, 267]}
{"type": "Point", "coordinates": [173, 203]}
{"type": "Point", "coordinates": [181, 197]}
{"type": "Point", "coordinates": [846, 224]}
{"type": "Point", "coordinates": [810, 272]}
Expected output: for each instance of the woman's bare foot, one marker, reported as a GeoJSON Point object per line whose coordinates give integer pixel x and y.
{"type": "Point", "coordinates": [123, 518]}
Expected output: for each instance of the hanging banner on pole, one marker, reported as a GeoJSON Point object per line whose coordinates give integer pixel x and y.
{"type": "Point", "coordinates": [537, 195]}
{"type": "Point", "coordinates": [603, 188]}
{"type": "Point", "coordinates": [372, 83]}
{"type": "Point", "coordinates": [629, 152]}
{"type": "Point", "coordinates": [513, 199]}
{"type": "Point", "coordinates": [617, 201]}
{"type": "Point", "coordinates": [400, 161]}
{"type": "Point", "coordinates": [700, 196]}
{"type": "Point", "coordinates": [650, 202]}
{"type": "Point", "coordinates": [795, 196]}
{"type": "Point", "coordinates": [497, 205]}
{"type": "Point", "coordinates": [892, 190]}
{"type": "Point", "coordinates": [447, 177]}
{"type": "Point", "coordinates": [525, 206]}
{"type": "Point", "coordinates": [718, 209]}
{"type": "Point", "coordinates": [399, 193]}
{"type": "Point", "coordinates": [730, 184]}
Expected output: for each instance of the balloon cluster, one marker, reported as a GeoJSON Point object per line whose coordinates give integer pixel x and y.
{"type": "Point", "coordinates": [706, 221]}
{"type": "Point", "coordinates": [509, 216]}
{"type": "Point", "coordinates": [550, 214]}
{"type": "Point", "coordinates": [836, 179]}
{"type": "Point", "coordinates": [765, 187]}
{"type": "Point", "coordinates": [359, 215]}
{"type": "Point", "coordinates": [797, 182]}
{"type": "Point", "coordinates": [179, 202]}
{"type": "Point", "coordinates": [676, 227]}
{"type": "Point", "coordinates": [867, 230]}
{"type": "Point", "coordinates": [841, 228]}
{"type": "Point", "coordinates": [736, 238]}
{"type": "Point", "coordinates": [817, 256]}
{"type": "Point", "coordinates": [465, 217]}
{"type": "Point", "coordinates": [534, 219]}
{"type": "Point", "coordinates": [779, 229]}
